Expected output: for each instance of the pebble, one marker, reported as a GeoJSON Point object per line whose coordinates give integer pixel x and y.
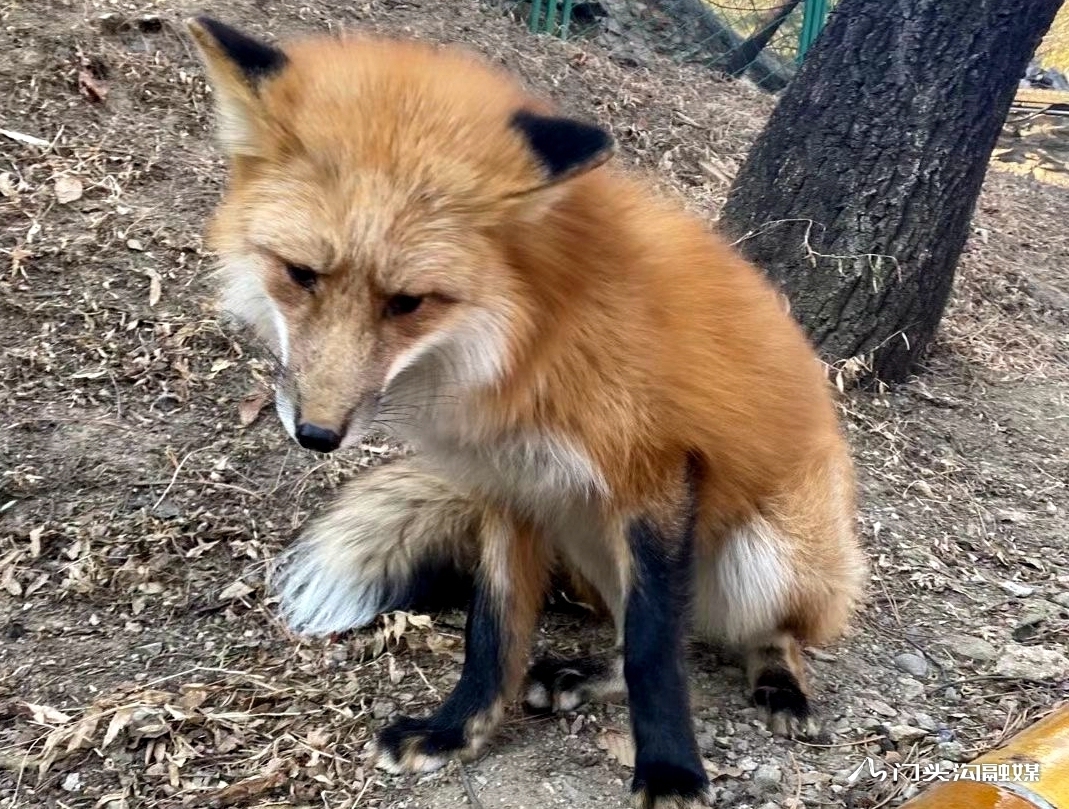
{"type": "Point", "coordinates": [924, 721]}
{"type": "Point", "coordinates": [912, 664]}
{"type": "Point", "coordinates": [1032, 663]}
{"type": "Point", "coordinates": [1062, 599]}
{"type": "Point", "coordinates": [747, 764]}
{"type": "Point", "coordinates": [383, 708]}
{"type": "Point", "coordinates": [905, 733]}
{"type": "Point", "coordinates": [767, 776]}
{"type": "Point", "coordinates": [727, 798]}
{"type": "Point", "coordinates": [1015, 588]}
{"type": "Point", "coordinates": [73, 782]}
{"type": "Point", "coordinates": [951, 751]}
{"type": "Point", "coordinates": [882, 708]}
{"type": "Point", "coordinates": [973, 648]}
{"type": "Point", "coordinates": [911, 689]}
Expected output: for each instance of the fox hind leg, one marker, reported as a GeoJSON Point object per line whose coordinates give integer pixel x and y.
{"type": "Point", "coordinates": [776, 676]}
{"type": "Point", "coordinates": [557, 684]}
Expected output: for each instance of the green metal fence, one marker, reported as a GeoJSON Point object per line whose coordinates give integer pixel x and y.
{"type": "Point", "coordinates": [762, 39]}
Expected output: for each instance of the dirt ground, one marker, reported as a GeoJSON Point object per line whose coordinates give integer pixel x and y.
{"type": "Point", "coordinates": [141, 664]}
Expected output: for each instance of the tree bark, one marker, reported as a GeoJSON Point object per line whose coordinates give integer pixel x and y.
{"type": "Point", "coordinates": [857, 197]}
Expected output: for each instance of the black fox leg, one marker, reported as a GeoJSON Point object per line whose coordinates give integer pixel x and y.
{"type": "Point", "coordinates": [668, 767]}
{"type": "Point", "coordinates": [563, 684]}
{"type": "Point", "coordinates": [509, 587]}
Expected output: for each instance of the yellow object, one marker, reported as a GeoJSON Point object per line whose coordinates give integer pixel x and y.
{"type": "Point", "coordinates": [1032, 770]}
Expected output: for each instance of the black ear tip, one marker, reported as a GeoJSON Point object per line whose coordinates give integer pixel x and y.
{"type": "Point", "coordinates": [255, 58]}
{"type": "Point", "coordinates": [565, 146]}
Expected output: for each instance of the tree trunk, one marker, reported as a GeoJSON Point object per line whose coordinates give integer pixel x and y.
{"type": "Point", "coordinates": [857, 197]}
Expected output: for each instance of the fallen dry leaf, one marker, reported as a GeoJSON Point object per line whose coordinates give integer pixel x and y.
{"type": "Point", "coordinates": [47, 715]}
{"type": "Point", "coordinates": [619, 745]}
{"type": "Point", "coordinates": [250, 407]}
{"type": "Point", "coordinates": [119, 721]}
{"type": "Point", "coordinates": [92, 88]}
{"type": "Point", "coordinates": [68, 189]}
{"type": "Point", "coordinates": [29, 140]}
{"type": "Point", "coordinates": [155, 286]}
{"type": "Point", "coordinates": [243, 790]}
{"type": "Point", "coordinates": [237, 589]}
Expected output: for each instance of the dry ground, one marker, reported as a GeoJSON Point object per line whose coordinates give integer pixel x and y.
{"type": "Point", "coordinates": [140, 664]}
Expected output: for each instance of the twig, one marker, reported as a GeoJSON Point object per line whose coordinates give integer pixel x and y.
{"type": "Point", "coordinates": [465, 779]}
{"type": "Point", "coordinates": [174, 477]}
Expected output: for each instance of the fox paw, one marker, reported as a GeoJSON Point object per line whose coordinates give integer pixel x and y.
{"type": "Point", "coordinates": [420, 745]}
{"type": "Point", "coordinates": [784, 705]}
{"type": "Point", "coordinates": [661, 785]}
{"type": "Point", "coordinates": [555, 685]}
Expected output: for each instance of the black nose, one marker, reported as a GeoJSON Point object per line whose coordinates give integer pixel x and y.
{"type": "Point", "coordinates": [311, 437]}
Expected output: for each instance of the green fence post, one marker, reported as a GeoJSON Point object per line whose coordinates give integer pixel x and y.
{"type": "Point", "coordinates": [813, 14]}
{"type": "Point", "coordinates": [551, 17]}
{"type": "Point", "coordinates": [536, 16]}
{"type": "Point", "coordinates": [565, 18]}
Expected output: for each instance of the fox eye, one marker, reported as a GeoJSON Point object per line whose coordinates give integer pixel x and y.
{"type": "Point", "coordinates": [302, 276]}
{"type": "Point", "coordinates": [399, 305]}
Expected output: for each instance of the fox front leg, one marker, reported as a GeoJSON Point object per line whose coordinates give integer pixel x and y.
{"type": "Point", "coordinates": [668, 767]}
{"type": "Point", "coordinates": [509, 586]}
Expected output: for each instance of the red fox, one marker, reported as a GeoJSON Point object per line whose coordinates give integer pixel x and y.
{"type": "Point", "coordinates": [584, 372]}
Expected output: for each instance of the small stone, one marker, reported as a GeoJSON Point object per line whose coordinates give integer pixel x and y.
{"type": "Point", "coordinates": [924, 721]}
{"type": "Point", "coordinates": [73, 782]}
{"type": "Point", "coordinates": [727, 798]}
{"type": "Point", "coordinates": [972, 648]}
{"type": "Point", "coordinates": [1011, 515]}
{"type": "Point", "coordinates": [1062, 599]}
{"type": "Point", "coordinates": [1032, 663]}
{"type": "Point", "coordinates": [952, 751]}
{"type": "Point", "coordinates": [911, 689]}
{"type": "Point", "coordinates": [912, 664]}
{"type": "Point", "coordinates": [1018, 590]}
{"type": "Point", "coordinates": [821, 655]}
{"type": "Point", "coordinates": [905, 733]}
{"type": "Point", "coordinates": [705, 742]}
{"type": "Point", "coordinates": [882, 708]}
{"type": "Point", "coordinates": [747, 764]}
{"type": "Point", "coordinates": [767, 776]}
{"type": "Point", "coordinates": [382, 708]}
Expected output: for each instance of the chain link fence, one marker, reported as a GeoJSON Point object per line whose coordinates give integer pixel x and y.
{"type": "Point", "coordinates": [763, 40]}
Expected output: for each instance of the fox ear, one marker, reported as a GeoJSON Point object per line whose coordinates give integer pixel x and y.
{"type": "Point", "coordinates": [564, 147]}
{"type": "Point", "coordinates": [237, 65]}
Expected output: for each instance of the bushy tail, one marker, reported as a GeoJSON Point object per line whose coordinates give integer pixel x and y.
{"type": "Point", "coordinates": [397, 537]}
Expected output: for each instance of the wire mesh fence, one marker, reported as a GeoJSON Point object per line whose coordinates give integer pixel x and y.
{"type": "Point", "coordinates": [764, 40]}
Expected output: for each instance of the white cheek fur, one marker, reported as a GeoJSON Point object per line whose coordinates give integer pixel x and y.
{"type": "Point", "coordinates": [472, 353]}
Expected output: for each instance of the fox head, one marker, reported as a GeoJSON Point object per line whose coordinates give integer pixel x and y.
{"type": "Point", "coordinates": [360, 235]}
